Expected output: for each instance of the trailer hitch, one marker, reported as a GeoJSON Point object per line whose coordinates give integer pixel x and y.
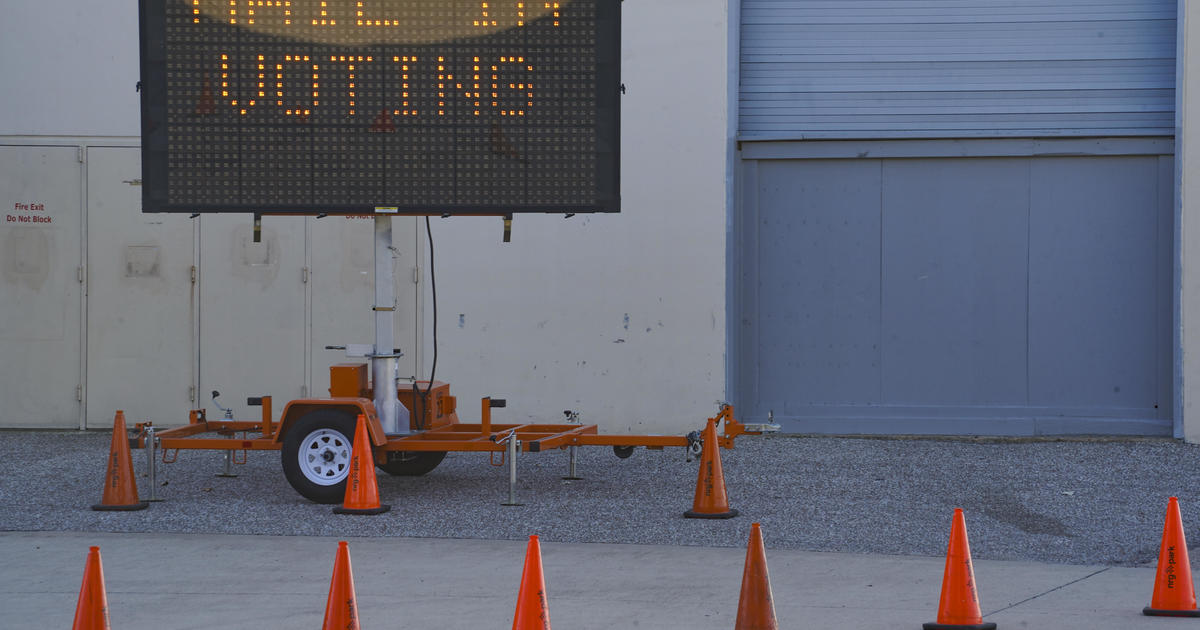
{"type": "Point", "coordinates": [695, 444]}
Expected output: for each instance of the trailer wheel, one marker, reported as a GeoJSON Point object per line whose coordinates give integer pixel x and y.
{"type": "Point", "coordinates": [411, 463]}
{"type": "Point", "coordinates": [316, 454]}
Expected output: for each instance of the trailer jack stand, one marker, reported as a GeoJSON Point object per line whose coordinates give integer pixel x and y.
{"type": "Point", "coordinates": [514, 447]}
{"type": "Point", "coordinates": [572, 475]}
{"type": "Point", "coordinates": [228, 466]}
{"type": "Point", "coordinates": [151, 464]}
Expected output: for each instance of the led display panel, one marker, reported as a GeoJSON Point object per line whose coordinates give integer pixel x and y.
{"type": "Point", "coordinates": [365, 106]}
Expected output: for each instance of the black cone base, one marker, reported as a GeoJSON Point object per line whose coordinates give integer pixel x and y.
{"type": "Point", "coordinates": [121, 508]}
{"type": "Point", "coordinates": [951, 626]}
{"type": "Point", "coordinates": [694, 514]}
{"type": "Point", "coordinates": [1159, 612]}
{"type": "Point", "coordinates": [345, 510]}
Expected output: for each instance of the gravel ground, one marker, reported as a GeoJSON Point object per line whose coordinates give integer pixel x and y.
{"type": "Point", "coordinates": [1062, 501]}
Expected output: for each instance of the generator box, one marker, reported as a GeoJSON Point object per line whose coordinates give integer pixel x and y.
{"type": "Point", "coordinates": [429, 407]}
{"type": "Point", "coordinates": [348, 380]}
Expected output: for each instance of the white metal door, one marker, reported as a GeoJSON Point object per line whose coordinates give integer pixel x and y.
{"type": "Point", "coordinates": [141, 307]}
{"type": "Point", "coordinates": [342, 263]}
{"type": "Point", "coordinates": [40, 289]}
{"type": "Point", "coordinates": [252, 305]}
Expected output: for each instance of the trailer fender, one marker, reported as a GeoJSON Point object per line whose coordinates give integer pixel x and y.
{"type": "Point", "coordinates": [353, 406]}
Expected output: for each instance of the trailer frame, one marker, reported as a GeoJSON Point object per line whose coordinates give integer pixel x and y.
{"type": "Point", "coordinates": [434, 428]}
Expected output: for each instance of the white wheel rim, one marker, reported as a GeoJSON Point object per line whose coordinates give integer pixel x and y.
{"type": "Point", "coordinates": [325, 457]}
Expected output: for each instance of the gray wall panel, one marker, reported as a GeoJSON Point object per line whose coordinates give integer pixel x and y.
{"type": "Point", "coordinates": [1164, 296]}
{"type": "Point", "coordinates": [1092, 282]}
{"type": "Point", "coordinates": [954, 277]}
{"type": "Point", "coordinates": [1010, 295]}
{"type": "Point", "coordinates": [818, 271]}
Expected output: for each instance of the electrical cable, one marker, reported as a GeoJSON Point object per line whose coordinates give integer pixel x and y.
{"type": "Point", "coordinates": [433, 287]}
{"type": "Point", "coordinates": [432, 370]}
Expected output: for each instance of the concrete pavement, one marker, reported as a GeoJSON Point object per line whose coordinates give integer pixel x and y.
{"type": "Point", "coordinates": [182, 582]}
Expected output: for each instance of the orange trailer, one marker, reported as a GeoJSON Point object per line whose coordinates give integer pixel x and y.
{"type": "Point", "coordinates": [315, 435]}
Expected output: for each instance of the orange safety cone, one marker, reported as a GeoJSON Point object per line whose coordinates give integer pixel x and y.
{"type": "Point", "coordinates": [532, 612]}
{"type": "Point", "coordinates": [362, 489]}
{"type": "Point", "coordinates": [959, 605]}
{"type": "Point", "coordinates": [1174, 595]}
{"type": "Point", "coordinates": [710, 501]}
{"type": "Point", "coordinates": [91, 613]}
{"type": "Point", "coordinates": [120, 487]}
{"type": "Point", "coordinates": [756, 606]}
{"type": "Point", "coordinates": [341, 608]}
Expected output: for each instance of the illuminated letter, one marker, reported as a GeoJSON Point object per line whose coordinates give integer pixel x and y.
{"type": "Point", "coordinates": [324, 19]}
{"type": "Point", "coordinates": [443, 76]}
{"type": "Point", "coordinates": [510, 106]}
{"type": "Point", "coordinates": [312, 70]}
{"type": "Point", "coordinates": [225, 77]}
{"type": "Point", "coordinates": [489, 12]}
{"type": "Point", "coordinates": [474, 96]}
{"type": "Point", "coordinates": [405, 62]}
{"type": "Point", "coordinates": [352, 62]}
{"type": "Point", "coordinates": [362, 19]}
{"type": "Point", "coordinates": [253, 10]}
{"type": "Point", "coordinates": [524, 90]}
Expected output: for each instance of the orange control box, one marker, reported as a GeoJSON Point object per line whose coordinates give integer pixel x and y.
{"type": "Point", "coordinates": [348, 380]}
{"type": "Point", "coordinates": [429, 410]}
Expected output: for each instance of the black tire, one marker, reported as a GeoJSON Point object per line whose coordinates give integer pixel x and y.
{"type": "Point", "coordinates": [411, 463]}
{"type": "Point", "coordinates": [326, 436]}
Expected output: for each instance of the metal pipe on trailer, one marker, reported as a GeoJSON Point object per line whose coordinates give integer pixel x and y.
{"type": "Point", "coordinates": [514, 447]}
{"type": "Point", "coordinates": [384, 360]}
{"type": "Point", "coordinates": [571, 474]}
{"type": "Point", "coordinates": [227, 465]}
{"type": "Point", "coordinates": [152, 463]}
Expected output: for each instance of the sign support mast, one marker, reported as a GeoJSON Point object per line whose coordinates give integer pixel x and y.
{"type": "Point", "coordinates": [384, 361]}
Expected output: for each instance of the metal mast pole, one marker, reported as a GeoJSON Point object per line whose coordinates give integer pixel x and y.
{"type": "Point", "coordinates": [384, 361]}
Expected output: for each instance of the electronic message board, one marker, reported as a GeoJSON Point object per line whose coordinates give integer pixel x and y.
{"type": "Point", "coordinates": [364, 106]}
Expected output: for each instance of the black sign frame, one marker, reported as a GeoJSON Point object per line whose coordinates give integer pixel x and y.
{"type": "Point", "coordinates": [457, 191]}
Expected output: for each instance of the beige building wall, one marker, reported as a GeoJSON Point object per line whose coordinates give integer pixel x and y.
{"type": "Point", "coordinates": [619, 317]}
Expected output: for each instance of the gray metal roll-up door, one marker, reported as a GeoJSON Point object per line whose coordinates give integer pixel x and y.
{"type": "Point", "coordinates": [956, 68]}
{"type": "Point", "coordinates": [1024, 290]}
{"type": "Point", "coordinates": [955, 216]}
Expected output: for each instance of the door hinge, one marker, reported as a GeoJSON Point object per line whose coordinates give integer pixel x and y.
{"type": "Point", "coordinates": [416, 275]}
{"type": "Point", "coordinates": [79, 392]}
{"type": "Point", "coordinates": [81, 155]}
{"type": "Point", "coordinates": [192, 393]}
{"type": "Point", "coordinates": [193, 272]}
{"type": "Point", "coordinates": [304, 275]}
{"type": "Point", "coordinates": [80, 272]}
